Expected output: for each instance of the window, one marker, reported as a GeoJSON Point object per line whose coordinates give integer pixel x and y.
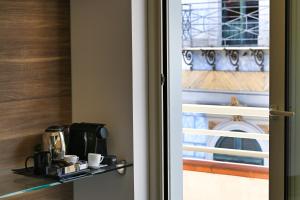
{"type": "Point", "coordinates": [240, 22]}
{"type": "Point", "coordinates": [241, 144]}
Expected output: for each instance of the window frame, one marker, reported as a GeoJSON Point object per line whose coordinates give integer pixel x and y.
{"type": "Point", "coordinates": [244, 40]}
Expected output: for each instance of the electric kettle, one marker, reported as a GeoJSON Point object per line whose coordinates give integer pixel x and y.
{"type": "Point", "coordinates": [54, 142]}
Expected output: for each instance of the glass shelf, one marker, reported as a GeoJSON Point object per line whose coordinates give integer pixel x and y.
{"type": "Point", "coordinates": [17, 182]}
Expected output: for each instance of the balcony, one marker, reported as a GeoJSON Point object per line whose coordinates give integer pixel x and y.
{"type": "Point", "coordinates": [223, 23]}
{"type": "Point", "coordinates": [213, 179]}
{"type": "Point", "coordinates": [226, 35]}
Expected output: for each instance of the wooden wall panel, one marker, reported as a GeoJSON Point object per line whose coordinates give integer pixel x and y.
{"type": "Point", "coordinates": [35, 79]}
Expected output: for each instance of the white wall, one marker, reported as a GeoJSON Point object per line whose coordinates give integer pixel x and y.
{"type": "Point", "coordinates": [102, 86]}
{"type": "Point", "coordinates": [140, 98]}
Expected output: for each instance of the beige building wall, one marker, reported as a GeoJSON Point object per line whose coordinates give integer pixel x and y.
{"type": "Point", "coordinates": [209, 186]}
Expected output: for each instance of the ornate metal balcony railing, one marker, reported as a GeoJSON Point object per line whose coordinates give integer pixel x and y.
{"type": "Point", "coordinates": [225, 23]}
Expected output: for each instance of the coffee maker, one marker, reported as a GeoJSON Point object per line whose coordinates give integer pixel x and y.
{"type": "Point", "coordinates": [54, 142]}
{"type": "Point", "coordinates": [85, 138]}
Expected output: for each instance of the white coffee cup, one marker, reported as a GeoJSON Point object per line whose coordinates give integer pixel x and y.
{"type": "Point", "coordinates": [94, 159]}
{"type": "Point", "coordinates": [71, 159]}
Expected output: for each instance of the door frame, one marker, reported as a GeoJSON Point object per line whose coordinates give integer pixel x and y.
{"type": "Point", "coordinates": [162, 186]}
{"type": "Point", "coordinates": [172, 101]}
{"type": "Point", "coordinates": [278, 97]}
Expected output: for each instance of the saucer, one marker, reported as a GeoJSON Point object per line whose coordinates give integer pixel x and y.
{"type": "Point", "coordinates": [97, 167]}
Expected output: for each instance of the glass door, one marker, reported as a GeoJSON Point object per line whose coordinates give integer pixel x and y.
{"type": "Point", "coordinates": [230, 82]}
{"type": "Point", "coordinates": [225, 99]}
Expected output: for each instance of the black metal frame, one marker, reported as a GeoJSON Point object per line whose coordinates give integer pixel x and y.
{"type": "Point", "coordinates": [165, 100]}
{"type": "Point", "coordinates": [287, 99]}
{"type": "Point", "coordinates": [210, 56]}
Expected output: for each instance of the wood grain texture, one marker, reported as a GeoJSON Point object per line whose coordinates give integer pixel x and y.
{"type": "Point", "coordinates": [35, 79]}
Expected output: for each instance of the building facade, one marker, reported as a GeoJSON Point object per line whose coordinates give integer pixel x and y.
{"type": "Point", "coordinates": [225, 53]}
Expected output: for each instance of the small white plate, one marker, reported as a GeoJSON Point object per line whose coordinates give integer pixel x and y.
{"type": "Point", "coordinates": [97, 167]}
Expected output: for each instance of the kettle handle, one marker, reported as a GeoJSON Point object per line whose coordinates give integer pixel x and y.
{"type": "Point", "coordinates": [85, 144]}
{"type": "Point", "coordinates": [26, 161]}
